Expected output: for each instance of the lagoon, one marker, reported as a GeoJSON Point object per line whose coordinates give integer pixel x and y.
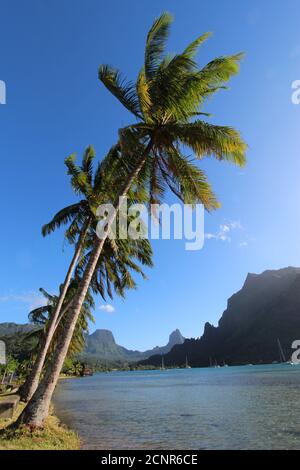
{"type": "Point", "coordinates": [247, 407]}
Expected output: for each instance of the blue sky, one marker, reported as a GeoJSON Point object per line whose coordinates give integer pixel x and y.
{"type": "Point", "coordinates": [50, 53]}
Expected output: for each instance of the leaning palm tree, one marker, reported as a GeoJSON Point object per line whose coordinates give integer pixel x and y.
{"type": "Point", "coordinates": [78, 217]}
{"type": "Point", "coordinates": [166, 99]}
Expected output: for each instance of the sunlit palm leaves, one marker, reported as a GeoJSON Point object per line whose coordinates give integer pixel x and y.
{"type": "Point", "coordinates": [167, 99]}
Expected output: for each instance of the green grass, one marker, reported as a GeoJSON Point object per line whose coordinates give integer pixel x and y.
{"type": "Point", "coordinates": [54, 436]}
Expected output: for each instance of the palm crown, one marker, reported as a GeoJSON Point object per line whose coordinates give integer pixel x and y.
{"type": "Point", "coordinates": [115, 269]}
{"type": "Point", "coordinates": [88, 185]}
{"type": "Point", "coordinates": [42, 316]}
{"type": "Point", "coordinates": [119, 258]}
{"type": "Point", "coordinates": [166, 100]}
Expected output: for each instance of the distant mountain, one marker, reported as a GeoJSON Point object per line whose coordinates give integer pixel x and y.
{"type": "Point", "coordinates": [9, 329]}
{"type": "Point", "coordinates": [266, 309]}
{"type": "Point", "coordinates": [18, 344]}
{"type": "Point", "coordinates": [174, 338]}
{"type": "Point", "coordinates": [101, 345]}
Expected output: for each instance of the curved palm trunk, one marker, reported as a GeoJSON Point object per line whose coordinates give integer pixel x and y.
{"type": "Point", "coordinates": [38, 407]}
{"type": "Point", "coordinates": [30, 385]}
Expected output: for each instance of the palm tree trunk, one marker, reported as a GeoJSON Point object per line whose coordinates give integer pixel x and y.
{"type": "Point", "coordinates": [37, 409]}
{"type": "Point", "coordinates": [30, 385]}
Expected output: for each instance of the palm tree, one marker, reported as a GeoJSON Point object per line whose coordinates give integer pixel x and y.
{"type": "Point", "coordinates": [79, 218]}
{"type": "Point", "coordinates": [113, 273]}
{"type": "Point", "coordinates": [166, 100]}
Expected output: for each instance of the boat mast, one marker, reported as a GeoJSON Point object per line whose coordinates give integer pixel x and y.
{"type": "Point", "coordinates": [281, 353]}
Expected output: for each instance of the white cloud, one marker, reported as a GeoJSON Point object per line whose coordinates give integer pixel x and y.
{"type": "Point", "coordinates": [235, 225]}
{"type": "Point", "coordinates": [242, 244]}
{"type": "Point", "coordinates": [107, 308]}
{"type": "Point", "coordinates": [224, 228]}
{"type": "Point", "coordinates": [224, 232]}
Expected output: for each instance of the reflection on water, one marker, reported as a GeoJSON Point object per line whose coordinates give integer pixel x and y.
{"type": "Point", "coordinates": [254, 407]}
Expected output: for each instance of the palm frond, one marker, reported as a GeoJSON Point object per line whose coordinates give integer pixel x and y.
{"type": "Point", "coordinates": [143, 93]}
{"type": "Point", "coordinates": [73, 169]}
{"type": "Point", "coordinates": [62, 217]}
{"type": "Point", "coordinates": [49, 297]}
{"type": "Point", "coordinates": [192, 48]}
{"type": "Point", "coordinates": [39, 315]}
{"type": "Point", "coordinates": [155, 43]}
{"type": "Point", "coordinates": [87, 162]}
{"type": "Point", "coordinates": [225, 143]}
{"type": "Point", "coordinates": [220, 70]}
{"type": "Point", "coordinates": [125, 92]}
{"type": "Point", "coordinates": [191, 181]}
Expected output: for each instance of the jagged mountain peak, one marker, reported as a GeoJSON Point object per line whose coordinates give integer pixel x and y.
{"type": "Point", "coordinates": [103, 335]}
{"type": "Point", "coordinates": [175, 337]}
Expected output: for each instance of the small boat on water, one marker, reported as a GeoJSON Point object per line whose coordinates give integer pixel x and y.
{"type": "Point", "coordinates": [283, 357]}
{"type": "Point", "coordinates": [187, 366]}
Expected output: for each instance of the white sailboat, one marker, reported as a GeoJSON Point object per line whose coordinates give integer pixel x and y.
{"type": "Point", "coordinates": [186, 363]}
{"type": "Point", "coordinates": [282, 355]}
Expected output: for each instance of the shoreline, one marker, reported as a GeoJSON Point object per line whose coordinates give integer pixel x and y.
{"type": "Point", "coordinates": [55, 435]}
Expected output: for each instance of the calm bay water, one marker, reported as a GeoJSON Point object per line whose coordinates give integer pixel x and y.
{"type": "Point", "coordinates": [253, 407]}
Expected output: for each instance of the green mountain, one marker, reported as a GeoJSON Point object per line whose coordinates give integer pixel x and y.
{"type": "Point", "coordinates": [101, 345]}
{"type": "Point", "coordinates": [265, 310]}
{"type": "Point", "coordinates": [9, 329]}
{"type": "Point", "coordinates": [15, 336]}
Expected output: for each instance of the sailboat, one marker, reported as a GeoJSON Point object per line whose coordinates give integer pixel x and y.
{"type": "Point", "coordinates": [186, 363]}
{"type": "Point", "coordinates": [282, 355]}
{"type": "Point", "coordinates": [162, 363]}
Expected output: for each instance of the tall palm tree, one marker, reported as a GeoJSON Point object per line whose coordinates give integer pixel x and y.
{"type": "Point", "coordinates": [79, 218]}
{"type": "Point", "coordinates": [166, 100]}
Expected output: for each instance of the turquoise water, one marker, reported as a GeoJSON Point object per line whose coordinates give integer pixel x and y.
{"type": "Point", "coordinates": [249, 407]}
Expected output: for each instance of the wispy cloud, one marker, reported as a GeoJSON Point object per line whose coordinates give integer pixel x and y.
{"type": "Point", "coordinates": [248, 241]}
{"type": "Point", "coordinates": [30, 298]}
{"type": "Point", "coordinates": [224, 232]}
{"type": "Point", "coordinates": [107, 308]}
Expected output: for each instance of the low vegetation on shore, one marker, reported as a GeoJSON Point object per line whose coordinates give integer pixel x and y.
{"type": "Point", "coordinates": [54, 436]}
